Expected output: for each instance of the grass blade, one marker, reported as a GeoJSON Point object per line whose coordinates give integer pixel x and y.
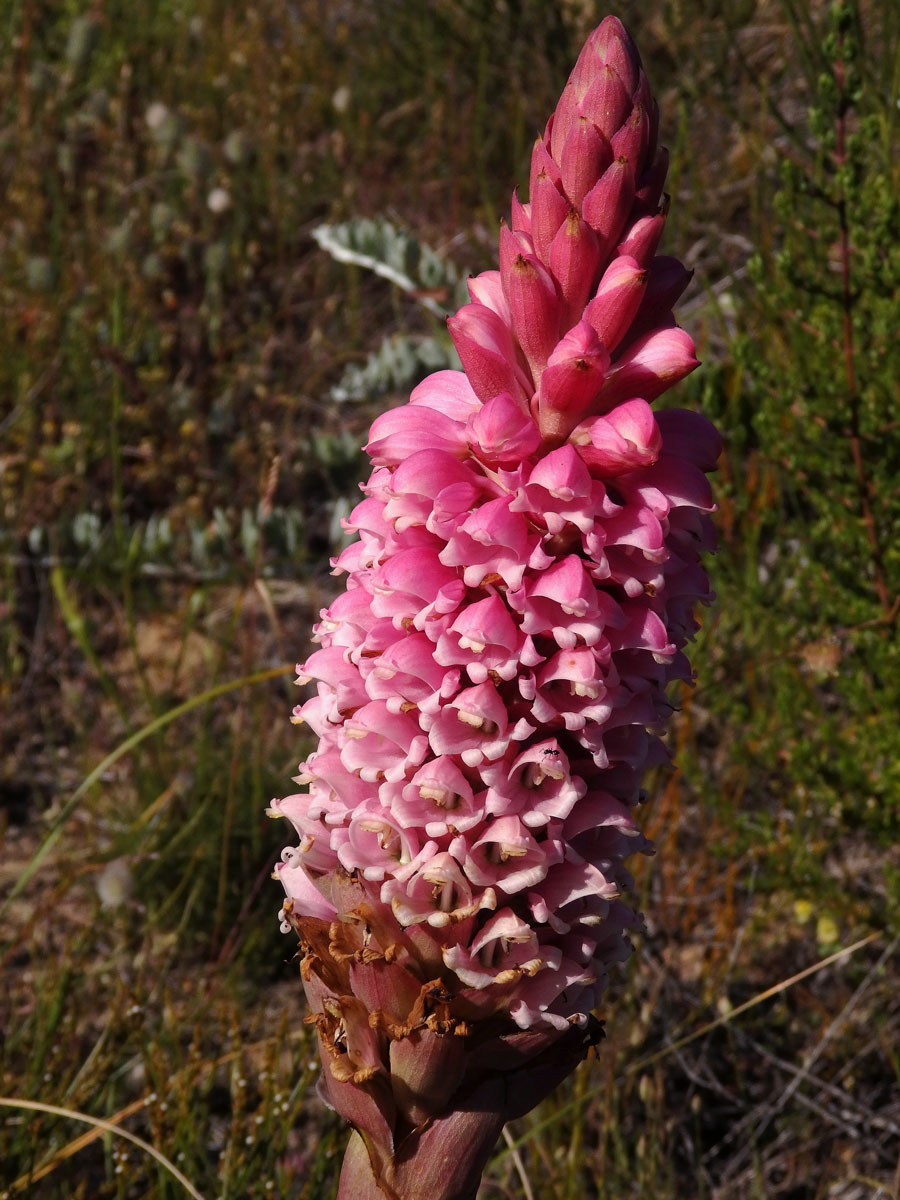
{"type": "Point", "coordinates": [124, 748]}
{"type": "Point", "coordinates": [107, 1127]}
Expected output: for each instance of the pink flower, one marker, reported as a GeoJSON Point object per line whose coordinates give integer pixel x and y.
{"type": "Point", "coordinates": [491, 686]}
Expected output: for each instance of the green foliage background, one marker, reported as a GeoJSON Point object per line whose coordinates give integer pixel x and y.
{"type": "Point", "coordinates": [185, 379]}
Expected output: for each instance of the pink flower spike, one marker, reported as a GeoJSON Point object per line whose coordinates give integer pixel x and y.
{"type": "Point", "coordinates": [490, 688]}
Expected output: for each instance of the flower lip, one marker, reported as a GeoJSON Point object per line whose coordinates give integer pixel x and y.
{"type": "Point", "coordinates": [508, 858]}
{"type": "Point", "coordinates": [437, 796]}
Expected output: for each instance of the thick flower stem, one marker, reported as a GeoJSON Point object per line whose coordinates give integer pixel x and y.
{"type": "Point", "coordinates": [357, 1180]}
{"type": "Point", "coordinates": [435, 1167]}
{"type": "Point", "coordinates": [443, 1158]}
